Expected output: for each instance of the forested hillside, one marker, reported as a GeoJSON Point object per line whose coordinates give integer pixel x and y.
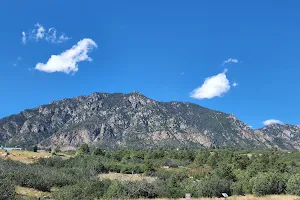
{"type": "Point", "coordinates": [162, 173]}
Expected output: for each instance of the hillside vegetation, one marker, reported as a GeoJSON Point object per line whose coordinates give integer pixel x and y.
{"type": "Point", "coordinates": [161, 173]}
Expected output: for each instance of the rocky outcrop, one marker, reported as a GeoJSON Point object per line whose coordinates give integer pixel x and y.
{"type": "Point", "coordinates": [133, 121]}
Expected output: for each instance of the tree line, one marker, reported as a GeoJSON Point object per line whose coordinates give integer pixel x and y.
{"type": "Point", "coordinates": [202, 173]}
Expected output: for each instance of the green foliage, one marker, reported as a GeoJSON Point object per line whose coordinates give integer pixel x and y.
{"type": "Point", "coordinates": [209, 187]}
{"type": "Point", "coordinates": [201, 158]}
{"type": "Point", "coordinates": [7, 189]}
{"type": "Point", "coordinates": [224, 171]}
{"type": "Point", "coordinates": [131, 190]}
{"type": "Point", "coordinates": [202, 173]}
{"type": "Point", "coordinates": [88, 190]}
{"type": "Point", "coordinates": [268, 183]}
{"type": "Point", "coordinates": [212, 160]}
{"type": "Point", "coordinates": [293, 185]}
{"type": "Point", "coordinates": [83, 149]}
{"type": "Point", "coordinates": [99, 152]}
{"type": "Point", "coordinates": [35, 148]}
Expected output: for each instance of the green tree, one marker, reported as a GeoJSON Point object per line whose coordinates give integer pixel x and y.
{"type": "Point", "coordinates": [268, 183]}
{"type": "Point", "coordinates": [83, 149]}
{"type": "Point", "coordinates": [293, 185]}
{"type": "Point", "coordinates": [35, 148]}
{"type": "Point", "coordinates": [212, 160]}
{"type": "Point", "coordinates": [201, 158]}
{"type": "Point", "coordinates": [224, 171]}
{"type": "Point", "coordinates": [99, 152]}
{"type": "Point", "coordinates": [7, 189]}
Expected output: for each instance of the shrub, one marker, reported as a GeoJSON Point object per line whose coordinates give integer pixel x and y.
{"type": "Point", "coordinates": [131, 189]}
{"type": "Point", "coordinates": [293, 185]}
{"type": "Point", "coordinates": [88, 190]}
{"type": "Point", "coordinates": [83, 149]}
{"type": "Point", "coordinates": [268, 183]}
{"type": "Point", "coordinates": [213, 187]}
{"type": "Point", "coordinates": [35, 148]}
{"type": "Point", "coordinates": [7, 189]}
{"type": "Point", "coordinates": [99, 152]}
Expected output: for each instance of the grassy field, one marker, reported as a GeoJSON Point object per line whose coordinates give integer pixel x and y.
{"type": "Point", "coordinates": [126, 177]}
{"type": "Point", "coordinates": [29, 193]}
{"type": "Point", "coordinates": [30, 156]}
{"type": "Point", "coordinates": [24, 156]}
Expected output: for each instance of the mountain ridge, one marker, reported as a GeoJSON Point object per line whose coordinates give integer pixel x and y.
{"type": "Point", "coordinates": [135, 121]}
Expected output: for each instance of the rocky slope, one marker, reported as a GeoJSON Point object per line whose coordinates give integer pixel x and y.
{"type": "Point", "coordinates": [135, 121]}
{"type": "Point", "coordinates": [283, 136]}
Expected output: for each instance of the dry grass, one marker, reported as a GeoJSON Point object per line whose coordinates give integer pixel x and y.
{"type": "Point", "coordinates": [126, 177]}
{"type": "Point", "coordinates": [31, 193]}
{"type": "Point", "coordinates": [25, 156]}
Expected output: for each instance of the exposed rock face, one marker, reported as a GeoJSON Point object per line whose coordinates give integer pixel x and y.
{"type": "Point", "coordinates": [283, 136]}
{"type": "Point", "coordinates": [135, 121]}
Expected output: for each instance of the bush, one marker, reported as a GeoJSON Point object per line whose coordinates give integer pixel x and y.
{"type": "Point", "coordinates": [131, 189]}
{"type": "Point", "coordinates": [35, 148]}
{"type": "Point", "coordinates": [201, 158]}
{"type": "Point", "coordinates": [224, 171]}
{"type": "Point", "coordinates": [268, 183]}
{"type": "Point", "coordinates": [213, 187]}
{"type": "Point", "coordinates": [7, 189]}
{"type": "Point", "coordinates": [293, 185]}
{"type": "Point", "coordinates": [99, 152]}
{"type": "Point", "coordinates": [88, 190]}
{"type": "Point", "coordinates": [83, 149]}
{"type": "Point", "coordinates": [243, 184]}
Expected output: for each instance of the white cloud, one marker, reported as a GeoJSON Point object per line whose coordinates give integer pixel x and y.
{"type": "Point", "coordinates": [214, 86]}
{"type": "Point", "coordinates": [23, 37]}
{"type": "Point", "coordinates": [230, 60]}
{"type": "Point", "coordinates": [67, 61]}
{"type": "Point", "coordinates": [272, 121]}
{"type": "Point", "coordinates": [40, 33]}
{"type": "Point", "coordinates": [51, 36]}
{"type": "Point", "coordinates": [235, 84]}
{"type": "Point", "coordinates": [63, 38]}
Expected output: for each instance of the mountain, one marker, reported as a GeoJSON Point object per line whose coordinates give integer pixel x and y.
{"type": "Point", "coordinates": [283, 136]}
{"type": "Point", "coordinates": [135, 121]}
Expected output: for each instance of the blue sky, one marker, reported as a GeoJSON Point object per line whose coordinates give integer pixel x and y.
{"type": "Point", "coordinates": [163, 49]}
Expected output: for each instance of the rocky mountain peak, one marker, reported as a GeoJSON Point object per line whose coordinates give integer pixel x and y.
{"type": "Point", "coordinates": [134, 121]}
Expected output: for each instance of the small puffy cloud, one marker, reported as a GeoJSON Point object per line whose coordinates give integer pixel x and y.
{"type": "Point", "coordinates": [214, 86]}
{"type": "Point", "coordinates": [24, 37]}
{"type": "Point", "coordinates": [272, 121]}
{"type": "Point", "coordinates": [235, 84]}
{"type": "Point", "coordinates": [230, 60]}
{"type": "Point", "coordinates": [67, 61]}
{"type": "Point", "coordinates": [40, 33]}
